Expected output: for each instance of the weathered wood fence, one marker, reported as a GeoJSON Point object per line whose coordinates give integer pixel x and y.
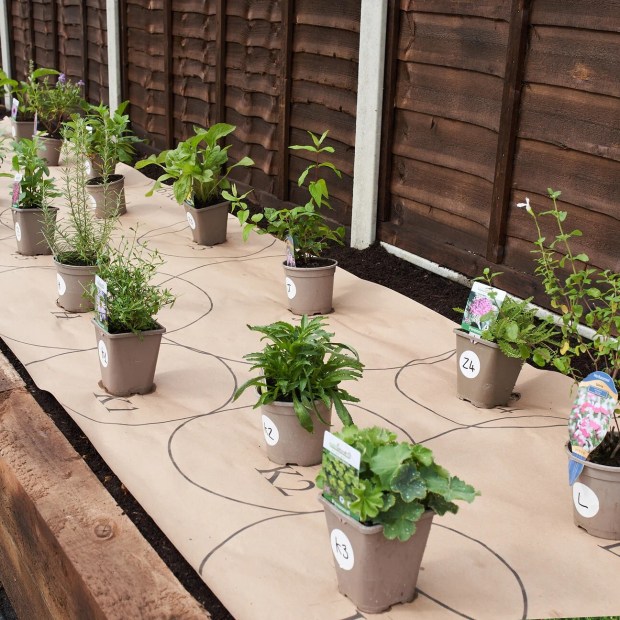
{"type": "Point", "coordinates": [485, 102]}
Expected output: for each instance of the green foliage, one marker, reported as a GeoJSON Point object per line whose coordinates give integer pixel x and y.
{"type": "Point", "coordinates": [582, 294]}
{"type": "Point", "coordinates": [197, 166]}
{"type": "Point", "coordinates": [132, 301]}
{"type": "Point", "coordinates": [36, 187]}
{"type": "Point", "coordinates": [301, 364]}
{"type": "Point", "coordinates": [398, 482]}
{"type": "Point", "coordinates": [305, 222]}
{"type": "Point", "coordinates": [26, 92]}
{"type": "Point", "coordinates": [79, 238]}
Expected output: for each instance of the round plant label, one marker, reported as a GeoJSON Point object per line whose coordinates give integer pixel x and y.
{"type": "Point", "coordinates": [270, 430]}
{"type": "Point", "coordinates": [291, 289]}
{"type": "Point", "coordinates": [18, 231]}
{"type": "Point", "coordinates": [585, 500]}
{"type": "Point", "coordinates": [191, 221]}
{"type": "Point", "coordinates": [60, 283]}
{"type": "Point", "coordinates": [469, 364]}
{"type": "Point", "coordinates": [103, 354]}
{"type": "Point", "coordinates": [92, 202]}
{"type": "Point", "coordinates": [342, 549]}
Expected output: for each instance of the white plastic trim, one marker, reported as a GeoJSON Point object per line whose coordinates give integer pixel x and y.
{"type": "Point", "coordinates": [4, 42]}
{"type": "Point", "coordinates": [114, 55]}
{"type": "Point", "coordinates": [373, 23]}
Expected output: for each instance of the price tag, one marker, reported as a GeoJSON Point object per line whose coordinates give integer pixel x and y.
{"type": "Point", "coordinates": [103, 354]}
{"type": "Point", "coordinates": [482, 307]}
{"type": "Point", "coordinates": [342, 549]}
{"type": "Point", "coordinates": [291, 289]}
{"type": "Point", "coordinates": [191, 221]}
{"type": "Point", "coordinates": [18, 231]}
{"type": "Point", "coordinates": [290, 251]}
{"type": "Point", "coordinates": [14, 109]}
{"type": "Point", "coordinates": [101, 306]}
{"type": "Point", "coordinates": [270, 430]}
{"type": "Point", "coordinates": [60, 284]}
{"type": "Point", "coordinates": [341, 467]}
{"type": "Point", "coordinates": [469, 364]}
{"type": "Point", "coordinates": [585, 500]}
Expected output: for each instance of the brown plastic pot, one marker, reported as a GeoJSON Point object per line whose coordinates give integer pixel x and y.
{"type": "Point", "coordinates": [72, 281]}
{"type": "Point", "coordinates": [374, 572]}
{"type": "Point", "coordinates": [22, 129]}
{"type": "Point", "coordinates": [208, 224]}
{"type": "Point", "coordinates": [310, 290]}
{"type": "Point", "coordinates": [49, 149]}
{"type": "Point", "coordinates": [596, 499]}
{"type": "Point", "coordinates": [107, 201]}
{"type": "Point", "coordinates": [28, 225]}
{"type": "Point", "coordinates": [287, 441]}
{"type": "Point", "coordinates": [484, 375]}
{"type": "Point", "coordinates": [127, 361]}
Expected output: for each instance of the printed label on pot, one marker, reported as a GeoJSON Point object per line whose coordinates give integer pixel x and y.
{"type": "Point", "coordinates": [469, 364]}
{"type": "Point", "coordinates": [290, 251]}
{"type": "Point", "coordinates": [270, 430]}
{"type": "Point", "coordinates": [191, 221]}
{"type": "Point", "coordinates": [342, 549]}
{"type": "Point", "coordinates": [291, 289]}
{"type": "Point", "coordinates": [60, 283]}
{"type": "Point", "coordinates": [585, 500]}
{"type": "Point", "coordinates": [18, 231]}
{"type": "Point", "coordinates": [101, 307]}
{"type": "Point", "coordinates": [103, 354]}
{"type": "Point", "coordinates": [14, 109]}
{"type": "Point", "coordinates": [482, 307]}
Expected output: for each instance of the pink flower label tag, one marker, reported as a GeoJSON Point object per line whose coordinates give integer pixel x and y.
{"type": "Point", "coordinates": [483, 304]}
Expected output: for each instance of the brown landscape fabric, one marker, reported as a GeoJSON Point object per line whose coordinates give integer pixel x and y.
{"type": "Point", "coordinates": [253, 530]}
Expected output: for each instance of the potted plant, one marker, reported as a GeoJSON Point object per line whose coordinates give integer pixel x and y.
{"type": "Point", "coordinates": [198, 169]}
{"type": "Point", "coordinates": [586, 296]}
{"type": "Point", "coordinates": [301, 369]}
{"type": "Point", "coordinates": [110, 142]}
{"type": "Point", "coordinates": [21, 94]}
{"type": "Point", "coordinates": [126, 306]}
{"type": "Point", "coordinates": [498, 334]}
{"type": "Point", "coordinates": [54, 104]}
{"type": "Point", "coordinates": [309, 278]}
{"type": "Point", "coordinates": [78, 239]}
{"type": "Point", "coordinates": [380, 496]}
{"type": "Point", "coordinates": [32, 193]}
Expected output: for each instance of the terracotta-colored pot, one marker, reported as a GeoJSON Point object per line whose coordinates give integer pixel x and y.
{"type": "Point", "coordinates": [286, 441]}
{"type": "Point", "coordinates": [596, 499]}
{"type": "Point", "coordinates": [208, 224]}
{"type": "Point", "coordinates": [374, 572]}
{"type": "Point", "coordinates": [22, 129]}
{"type": "Point", "coordinates": [29, 226]}
{"type": "Point", "coordinates": [72, 281]}
{"type": "Point", "coordinates": [310, 290]}
{"type": "Point", "coordinates": [107, 201]}
{"type": "Point", "coordinates": [49, 149]}
{"type": "Point", "coordinates": [484, 375]}
{"type": "Point", "coordinates": [127, 361]}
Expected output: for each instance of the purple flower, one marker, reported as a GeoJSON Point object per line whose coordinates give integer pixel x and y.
{"type": "Point", "coordinates": [62, 78]}
{"type": "Point", "coordinates": [480, 306]}
{"type": "Point", "coordinates": [80, 83]}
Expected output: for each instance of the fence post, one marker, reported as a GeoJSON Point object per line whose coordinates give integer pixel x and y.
{"type": "Point", "coordinates": [368, 122]}
{"type": "Point", "coordinates": [5, 44]}
{"type": "Point", "coordinates": [114, 57]}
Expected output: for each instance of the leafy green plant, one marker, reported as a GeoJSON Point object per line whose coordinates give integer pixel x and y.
{"type": "Point", "coordinates": [79, 238]}
{"type": "Point", "coordinates": [398, 482]}
{"type": "Point", "coordinates": [197, 166]}
{"type": "Point", "coordinates": [305, 223]}
{"type": "Point", "coordinates": [513, 326]}
{"type": "Point", "coordinates": [132, 300]}
{"type": "Point", "coordinates": [36, 188]}
{"type": "Point", "coordinates": [26, 91]}
{"type": "Point", "coordinates": [582, 294]}
{"type": "Point", "coordinates": [301, 364]}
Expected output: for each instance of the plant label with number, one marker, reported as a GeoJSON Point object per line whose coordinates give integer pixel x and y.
{"type": "Point", "coordinates": [342, 549]}
{"type": "Point", "coordinates": [469, 364]}
{"type": "Point", "coordinates": [103, 354]}
{"type": "Point", "coordinates": [18, 231]}
{"type": "Point", "coordinates": [291, 289]}
{"type": "Point", "coordinates": [270, 430]}
{"type": "Point", "coordinates": [60, 283]}
{"type": "Point", "coordinates": [191, 221]}
{"type": "Point", "coordinates": [585, 500]}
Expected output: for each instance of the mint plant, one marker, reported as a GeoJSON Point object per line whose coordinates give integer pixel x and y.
{"type": "Point", "coordinates": [305, 223]}
{"type": "Point", "coordinates": [398, 482]}
{"type": "Point", "coordinates": [301, 364]}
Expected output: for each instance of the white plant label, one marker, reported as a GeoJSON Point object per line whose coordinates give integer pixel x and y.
{"type": "Point", "coordinates": [60, 283]}
{"type": "Point", "coordinates": [342, 549]}
{"type": "Point", "coordinates": [13, 131]}
{"type": "Point", "coordinates": [469, 364]}
{"type": "Point", "coordinates": [585, 500]}
{"type": "Point", "coordinates": [87, 166]}
{"type": "Point", "coordinates": [191, 221]}
{"type": "Point", "coordinates": [14, 108]}
{"type": "Point", "coordinates": [92, 202]}
{"type": "Point", "coordinates": [270, 430]}
{"type": "Point", "coordinates": [18, 231]}
{"type": "Point", "coordinates": [291, 289]}
{"type": "Point", "coordinates": [103, 354]}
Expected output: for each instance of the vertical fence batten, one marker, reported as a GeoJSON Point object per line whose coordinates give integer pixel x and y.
{"type": "Point", "coordinates": [509, 119]}
{"type": "Point", "coordinates": [30, 9]}
{"type": "Point", "coordinates": [85, 65]}
{"type": "Point", "coordinates": [168, 76]}
{"type": "Point", "coordinates": [373, 22]}
{"type": "Point", "coordinates": [54, 20]}
{"type": "Point", "coordinates": [284, 99]}
{"type": "Point", "coordinates": [220, 61]}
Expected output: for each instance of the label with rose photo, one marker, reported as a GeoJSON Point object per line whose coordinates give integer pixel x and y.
{"type": "Point", "coordinates": [483, 304]}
